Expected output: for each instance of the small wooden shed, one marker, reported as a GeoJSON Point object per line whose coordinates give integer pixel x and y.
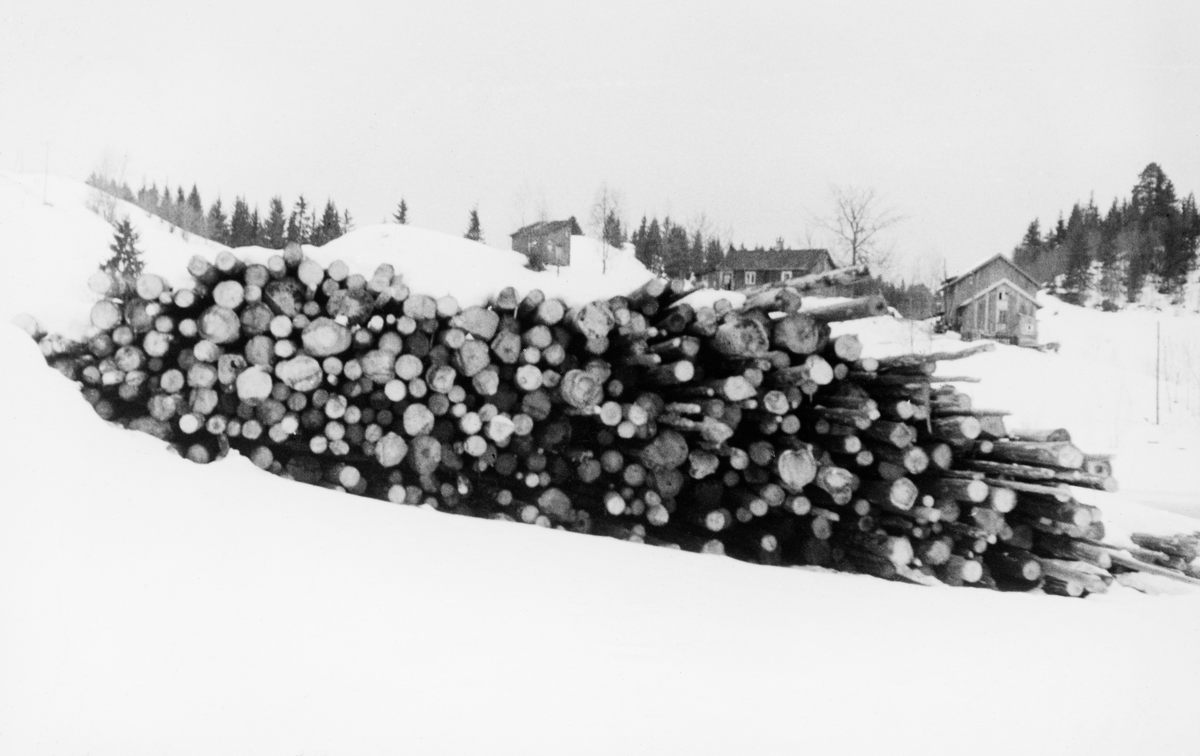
{"type": "Point", "coordinates": [994, 300]}
{"type": "Point", "coordinates": [549, 239]}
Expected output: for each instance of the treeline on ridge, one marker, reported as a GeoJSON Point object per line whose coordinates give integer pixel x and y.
{"type": "Point", "coordinates": [241, 226]}
{"type": "Point", "coordinates": [1150, 237]}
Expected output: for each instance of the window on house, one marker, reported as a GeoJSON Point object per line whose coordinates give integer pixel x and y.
{"type": "Point", "coordinates": [785, 275]}
{"type": "Point", "coordinates": [749, 277]}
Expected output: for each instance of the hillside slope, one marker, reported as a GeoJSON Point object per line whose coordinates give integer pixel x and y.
{"type": "Point", "coordinates": [155, 606]}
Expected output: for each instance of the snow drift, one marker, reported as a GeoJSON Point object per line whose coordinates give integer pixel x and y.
{"type": "Point", "coordinates": [154, 606]}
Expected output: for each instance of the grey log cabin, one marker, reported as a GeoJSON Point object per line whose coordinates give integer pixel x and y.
{"type": "Point", "coordinates": [993, 300]}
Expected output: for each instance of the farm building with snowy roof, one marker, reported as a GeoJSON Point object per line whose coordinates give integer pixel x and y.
{"type": "Point", "coordinates": [994, 300]}
{"type": "Point", "coordinates": [550, 240]}
{"type": "Point", "coordinates": [750, 267]}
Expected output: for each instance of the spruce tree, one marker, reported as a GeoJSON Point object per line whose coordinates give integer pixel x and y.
{"type": "Point", "coordinates": [401, 214]}
{"type": "Point", "coordinates": [696, 255]}
{"type": "Point", "coordinates": [639, 243]}
{"type": "Point", "coordinates": [299, 224]}
{"type": "Point", "coordinates": [126, 260]}
{"type": "Point", "coordinates": [1177, 257]}
{"type": "Point", "coordinates": [194, 201]}
{"type": "Point", "coordinates": [613, 234]}
{"type": "Point", "coordinates": [216, 225]}
{"type": "Point", "coordinates": [1078, 278]}
{"type": "Point", "coordinates": [1108, 256]}
{"type": "Point", "coordinates": [329, 227]}
{"type": "Point", "coordinates": [653, 255]}
{"type": "Point", "coordinates": [474, 231]}
{"type": "Point", "coordinates": [347, 222]}
{"type": "Point", "coordinates": [275, 231]}
{"type": "Point", "coordinates": [256, 224]}
{"type": "Point", "coordinates": [166, 208]}
{"type": "Point", "coordinates": [713, 255]}
{"type": "Point", "coordinates": [242, 229]}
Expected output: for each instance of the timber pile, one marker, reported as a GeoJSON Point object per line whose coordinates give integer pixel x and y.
{"type": "Point", "coordinates": [747, 432]}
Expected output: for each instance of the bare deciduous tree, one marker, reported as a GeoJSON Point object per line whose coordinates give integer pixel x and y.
{"type": "Point", "coordinates": [530, 205]}
{"type": "Point", "coordinates": [858, 220]}
{"type": "Point", "coordinates": [606, 222]}
{"type": "Point", "coordinates": [109, 173]}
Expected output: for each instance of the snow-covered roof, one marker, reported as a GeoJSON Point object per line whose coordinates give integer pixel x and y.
{"type": "Point", "coordinates": [998, 256]}
{"type": "Point", "coordinates": [546, 227]}
{"type": "Point", "coordinates": [775, 259]}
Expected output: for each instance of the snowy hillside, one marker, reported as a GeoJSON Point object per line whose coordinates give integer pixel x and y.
{"type": "Point", "coordinates": [150, 606]}
{"type": "Point", "coordinates": [432, 262]}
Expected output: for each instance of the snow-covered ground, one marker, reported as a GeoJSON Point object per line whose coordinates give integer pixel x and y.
{"type": "Point", "coordinates": [152, 606]}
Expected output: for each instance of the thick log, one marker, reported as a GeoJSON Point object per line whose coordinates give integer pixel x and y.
{"type": "Point", "coordinates": [815, 370]}
{"type": "Point", "coordinates": [796, 468]}
{"type": "Point", "coordinates": [284, 296]}
{"type": "Point", "coordinates": [667, 451]}
{"type": "Point", "coordinates": [1043, 436]}
{"type": "Point", "coordinates": [593, 321]}
{"type": "Point", "coordinates": [325, 338]}
{"type": "Point", "coordinates": [581, 390]}
{"type": "Point", "coordinates": [1186, 547]}
{"type": "Point", "coordinates": [1125, 561]}
{"type": "Point", "coordinates": [776, 299]}
{"type": "Point", "coordinates": [899, 435]}
{"type": "Point", "coordinates": [219, 325]}
{"type": "Point", "coordinates": [1063, 547]}
{"type": "Point", "coordinates": [254, 384]}
{"type": "Point", "coordinates": [477, 321]}
{"type": "Point", "coordinates": [845, 348]}
{"type": "Point", "coordinates": [424, 455]}
{"type": "Point", "coordinates": [956, 430]}
{"type": "Point", "coordinates": [734, 389]}
{"type": "Point", "coordinates": [741, 337]}
{"type": "Point", "coordinates": [1053, 454]}
{"type": "Point", "coordinates": [1097, 464]}
{"type": "Point", "coordinates": [1066, 512]}
{"type": "Point", "coordinates": [896, 549]}
{"type": "Point", "coordinates": [799, 333]}
{"type": "Point", "coordinates": [1092, 578]}
{"type": "Point", "coordinates": [854, 309]}
{"type": "Point", "coordinates": [898, 494]}
{"type": "Point", "coordinates": [914, 459]}
{"type": "Point", "coordinates": [971, 491]}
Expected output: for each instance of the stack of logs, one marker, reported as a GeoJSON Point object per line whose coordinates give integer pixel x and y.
{"type": "Point", "coordinates": [749, 432]}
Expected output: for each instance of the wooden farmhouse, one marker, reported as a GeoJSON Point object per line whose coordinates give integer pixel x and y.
{"type": "Point", "coordinates": [993, 300]}
{"type": "Point", "coordinates": [550, 239]}
{"type": "Point", "coordinates": [750, 267]}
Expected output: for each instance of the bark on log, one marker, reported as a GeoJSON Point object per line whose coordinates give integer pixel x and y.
{"type": "Point", "coordinates": [1053, 454]}
{"type": "Point", "coordinates": [854, 309]}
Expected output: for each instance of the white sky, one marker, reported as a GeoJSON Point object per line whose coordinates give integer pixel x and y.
{"type": "Point", "coordinates": [969, 119]}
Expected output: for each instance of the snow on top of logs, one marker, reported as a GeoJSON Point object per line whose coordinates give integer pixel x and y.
{"type": "Point", "coordinates": [438, 264]}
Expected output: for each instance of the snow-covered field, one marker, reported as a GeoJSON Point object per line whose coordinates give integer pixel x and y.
{"type": "Point", "coordinates": [152, 606]}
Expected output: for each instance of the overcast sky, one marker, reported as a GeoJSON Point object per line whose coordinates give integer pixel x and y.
{"type": "Point", "coordinates": [969, 119]}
